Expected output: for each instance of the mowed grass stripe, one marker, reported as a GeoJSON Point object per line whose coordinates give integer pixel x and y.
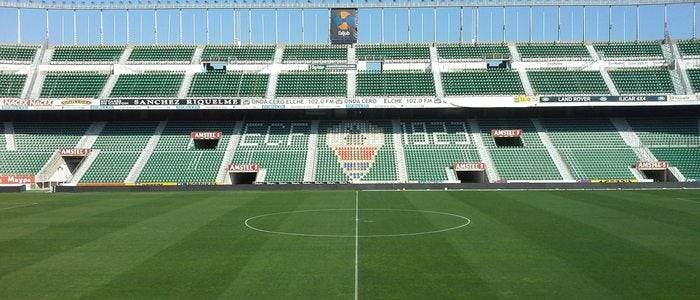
{"type": "Point", "coordinates": [413, 267]}
{"type": "Point", "coordinates": [645, 231]}
{"type": "Point", "coordinates": [140, 233]}
{"type": "Point", "coordinates": [56, 239]}
{"type": "Point", "coordinates": [622, 267]}
{"type": "Point", "coordinates": [511, 264]}
{"type": "Point", "coordinates": [298, 267]}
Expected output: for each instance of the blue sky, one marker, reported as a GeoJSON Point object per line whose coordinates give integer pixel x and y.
{"type": "Point", "coordinates": [316, 25]}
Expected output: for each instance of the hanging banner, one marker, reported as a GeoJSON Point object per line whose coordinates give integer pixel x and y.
{"type": "Point", "coordinates": [343, 26]}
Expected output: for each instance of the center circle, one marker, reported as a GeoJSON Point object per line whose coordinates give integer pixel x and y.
{"type": "Point", "coordinates": [346, 223]}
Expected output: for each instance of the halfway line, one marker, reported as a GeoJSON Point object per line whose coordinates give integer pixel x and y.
{"type": "Point", "coordinates": [357, 242]}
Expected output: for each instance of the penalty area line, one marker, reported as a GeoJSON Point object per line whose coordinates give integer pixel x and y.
{"type": "Point", "coordinates": [18, 206]}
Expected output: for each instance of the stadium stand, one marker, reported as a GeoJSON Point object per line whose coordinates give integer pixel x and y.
{"type": "Point", "coordinates": [550, 51]}
{"type": "Point", "coordinates": [278, 147]}
{"type": "Point", "coordinates": [315, 53]}
{"type": "Point", "coordinates": [87, 53]}
{"type": "Point", "coordinates": [482, 83]}
{"type": "Point", "coordinates": [17, 53]}
{"type": "Point", "coordinates": [592, 148]}
{"type": "Point", "coordinates": [689, 48]}
{"type": "Point", "coordinates": [120, 145]}
{"type": "Point", "coordinates": [555, 82]}
{"type": "Point", "coordinates": [432, 146]}
{"type": "Point", "coordinates": [36, 142]}
{"type": "Point", "coordinates": [474, 52]}
{"type": "Point", "coordinates": [635, 50]}
{"type": "Point", "coordinates": [73, 84]}
{"type": "Point", "coordinates": [527, 162]}
{"type": "Point", "coordinates": [356, 151]}
{"type": "Point", "coordinates": [694, 78]}
{"type": "Point", "coordinates": [642, 81]}
{"type": "Point", "coordinates": [238, 53]}
{"type": "Point", "coordinates": [175, 158]}
{"type": "Point", "coordinates": [312, 84]}
{"type": "Point", "coordinates": [11, 85]}
{"type": "Point", "coordinates": [149, 84]}
{"type": "Point", "coordinates": [228, 84]}
{"type": "Point", "coordinates": [392, 52]}
{"type": "Point", "coordinates": [395, 84]}
{"type": "Point", "coordinates": [162, 54]}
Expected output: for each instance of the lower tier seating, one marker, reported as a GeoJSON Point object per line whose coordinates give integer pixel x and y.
{"type": "Point", "coordinates": [684, 158]}
{"type": "Point", "coordinates": [665, 132]}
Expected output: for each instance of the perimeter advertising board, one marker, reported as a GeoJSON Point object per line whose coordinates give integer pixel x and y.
{"type": "Point", "coordinates": [343, 26]}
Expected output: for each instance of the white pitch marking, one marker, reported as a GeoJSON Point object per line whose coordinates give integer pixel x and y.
{"type": "Point", "coordinates": [467, 221]}
{"type": "Point", "coordinates": [357, 243]}
{"type": "Point", "coordinates": [18, 206]}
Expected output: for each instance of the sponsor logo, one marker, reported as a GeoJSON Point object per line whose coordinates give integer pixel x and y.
{"type": "Point", "coordinates": [74, 152]}
{"type": "Point", "coordinates": [355, 145]}
{"type": "Point", "coordinates": [76, 102]}
{"type": "Point", "coordinates": [652, 165]}
{"type": "Point", "coordinates": [469, 166]}
{"type": "Point", "coordinates": [506, 132]}
{"type": "Point", "coordinates": [243, 167]}
{"type": "Point", "coordinates": [206, 135]}
{"type": "Point", "coordinates": [17, 179]}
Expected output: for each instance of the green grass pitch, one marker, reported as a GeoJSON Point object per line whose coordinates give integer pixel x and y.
{"type": "Point", "coordinates": [343, 245]}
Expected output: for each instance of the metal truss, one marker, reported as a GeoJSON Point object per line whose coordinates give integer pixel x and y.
{"type": "Point", "coordinates": [309, 4]}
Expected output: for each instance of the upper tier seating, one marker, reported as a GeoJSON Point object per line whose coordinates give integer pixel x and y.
{"type": "Point", "coordinates": [162, 54]}
{"type": "Point", "coordinates": [316, 53]}
{"type": "Point", "coordinates": [642, 81]}
{"type": "Point", "coordinates": [475, 52]}
{"type": "Point", "coordinates": [554, 51]}
{"type": "Point", "coordinates": [87, 53]}
{"type": "Point", "coordinates": [689, 48]}
{"type": "Point", "coordinates": [629, 50]}
{"type": "Point", "coordinates": [563, 82]}
{"type": "Point", "coordinates": [694, 77]}
{"type": "Point", "coordinates": [73, 84]}
{"type": "Point", "coordinates": [17, 53]}
{"type": "Point", "coordinates": [278, 147]}
{"type": "Point", "coordinates": [432, 146]}
{"type": "Point", "coordinates": [395, 84]}
{"type": "Point", "coordinates": [355, 151]}
{"type": "Point", "coordinates": [238, 53]}
{"type": "Point", "coordinates": [120, 145]}
{"type": "Point", "coordinates": [228, 84]}
{"type": "Point", "coordinates": [482, 83]}
{"type": "Point", "coordinates": [11, 85]}
{"type": "Point", "coordinates": [175, 158]}
{"type": "Point", "coordinates": [316, 84]}
{"type": "Point", "coordinates": [150, 84]}
{"type": "Point", "coordinates": [531, 161]}
{"type": "Point", "coordinates": [392, 52]}
{"type": "Point", "coordinates": [592, 148]}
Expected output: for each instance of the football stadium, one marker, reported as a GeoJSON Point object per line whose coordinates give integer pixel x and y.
{"type": "Point", "coordinates": [349, 149]}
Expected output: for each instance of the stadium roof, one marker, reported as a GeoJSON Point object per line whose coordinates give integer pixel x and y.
{"type": "Point", "coordinates": [299, 4]}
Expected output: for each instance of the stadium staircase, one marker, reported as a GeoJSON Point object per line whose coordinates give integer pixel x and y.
{"type": "Point", "coordinates": [222, 175]}
{"type": "Point", "coordinates": [435, 68]}
{"type": "Point", "coordinates": [609, 82]}
{"type": "Point", "coordinates": [352, 59]}
{"type": "Point", "coordinates": [563, 169]}
{"type": "Point", "coordinates": [146, 153]}
{"type": "Point", "coordinates": [124, 58]}
{"type": "Point", "coordinates": [33, 74]}
{"type": "Point", "coordinates": [592, 52]}
{"type": "Point", "coordinates": [633, 141]}
{"type": "Point", "coordinates": [400, 154]}
{"type": "Point", "coordinates": [680, 70]}
{"type": "Point", "coordinates": [484, 154]}
{"type": "Point", "coordinates": [311, 154]}
{"type": "Point", "coordinates": [109, 86]}
{"type": "Point", "coordinates": [197, 56]}
{"type": "Point", "coordinates": [274, 71]}
{"type": "Point", "coordinates": [9, 136]}
{"type": "Point", "coordinates": [514, 53]}
{"type": "Point", "coordinates": [91, 135]}
{"type": "Point", "coordinates": [525, 80]}
{"type": "Point", "coordinates": [186, 84]}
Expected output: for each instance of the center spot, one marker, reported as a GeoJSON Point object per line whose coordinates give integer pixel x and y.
{"type": "Point", "coordinates": [341, 222]}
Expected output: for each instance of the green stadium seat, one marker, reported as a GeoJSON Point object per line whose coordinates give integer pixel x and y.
{"type": "Point", "coordinates": [392, 52]}
{"type": "Point", "coordinates": [17, 53]}
{"type": "Point", "coordinates": [228, 84]}
{"type": "Point", "coordinates": [149, 84]}
{"type": "Point", "coordinates": [312, 84]}
{"type": "Point", "coordinates": [395, 84]}
{"type": "Point", "coordinates": [11, 85]}
{"type": "Point", "coordinates": [109, 54]}
{"type": "Point", "coordinates": [642, 81]}
{"type": "Point", "coordinates": [563, 82]}
{"type": "Point", "coordinates": [315, 53]}
{"type": "Point", "coordinates": [73, 84]}
{"type": "Point", "coordinates": [553, 51]}
{"type": "Point", "coordinates": [162, 54]}
{"type": "Point", "coordinates": [474, 52]}
{"type": "Point", "coordinates": [482, 82]}
{"type": "Point", "coordinates": [638, 50]}
{"type": "Point", "coordinates": [238, 53]}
